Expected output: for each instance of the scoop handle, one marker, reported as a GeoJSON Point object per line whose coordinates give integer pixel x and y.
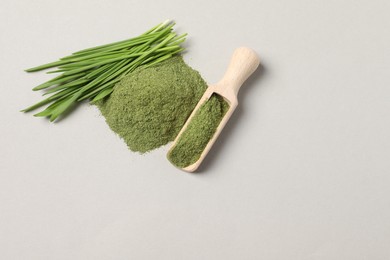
{"type": "Point", "coordinates": [243, 63]}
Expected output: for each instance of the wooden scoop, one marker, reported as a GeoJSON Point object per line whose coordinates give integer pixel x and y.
{"type": "Point", "coordinates": [243, 63]}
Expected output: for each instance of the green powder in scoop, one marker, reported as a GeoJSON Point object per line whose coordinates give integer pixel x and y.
{"type": "Point", "coordinates": [149, 106]}
{"type": "Point", "coordinates": [198, 132]}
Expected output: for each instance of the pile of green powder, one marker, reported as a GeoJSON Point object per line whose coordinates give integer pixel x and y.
{"type": "Point", "coordinates": [199, 132]}
{"type": "Point", "coordinates": [149, 106]}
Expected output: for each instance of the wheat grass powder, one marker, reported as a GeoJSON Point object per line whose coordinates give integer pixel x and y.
{"type": "Point", "coordinates": [149, 106]}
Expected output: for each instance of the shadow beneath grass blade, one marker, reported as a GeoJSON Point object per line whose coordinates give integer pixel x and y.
{"type": "Point", "coordinates": [69, 111]}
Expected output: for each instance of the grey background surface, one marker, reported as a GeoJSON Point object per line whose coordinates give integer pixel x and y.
{"type": "Point", "coordinates": [300, 172]}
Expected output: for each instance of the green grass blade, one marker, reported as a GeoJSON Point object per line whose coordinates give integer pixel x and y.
{"type": "Point", "coordinates": [92, 73]}
{"type": "Point", "coordinates": [103, 94]}
{"type": "Point", "coordinates": [46, 66]}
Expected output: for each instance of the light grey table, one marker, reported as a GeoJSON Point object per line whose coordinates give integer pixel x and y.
{"type": "Point", "coordinates": [300, 172]}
